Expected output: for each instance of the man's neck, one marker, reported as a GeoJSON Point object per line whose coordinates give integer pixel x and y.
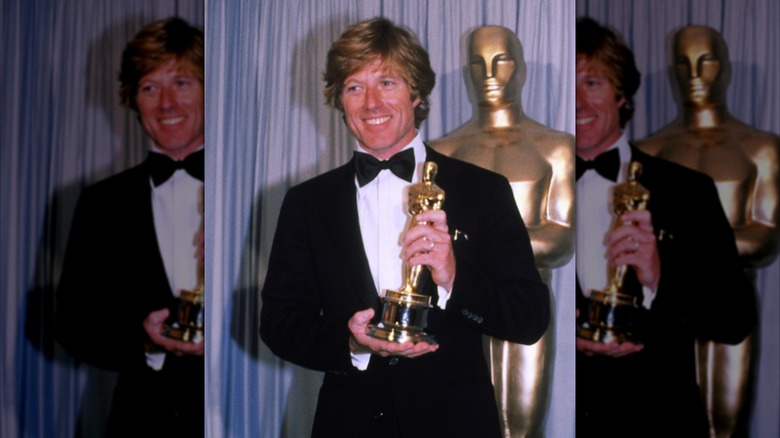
{"type": "Point", "coordinates": [591, 154]}
{"type": "Point", "coordinates": [386, 155]}
{"type": "Point", "coordinates": [178, 155]}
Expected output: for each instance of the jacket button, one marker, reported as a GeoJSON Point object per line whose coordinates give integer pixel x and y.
{"type": "Point", "coordinates": [378, 416]}
{"type": "Point", "coordinates": [393, 360]}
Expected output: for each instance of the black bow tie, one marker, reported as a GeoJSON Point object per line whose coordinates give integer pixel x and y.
{"type": "Point", "coordinates": [606, 164]}
{"type": "Point", "coordinates": [161, 166]}
{"type": "Point", "coordinates": [367, 167]}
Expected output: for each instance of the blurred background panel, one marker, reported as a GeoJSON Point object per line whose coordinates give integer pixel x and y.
{"type": "Point", "coordinates": [61, 128]}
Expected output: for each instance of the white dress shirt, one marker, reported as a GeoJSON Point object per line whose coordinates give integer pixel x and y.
{"type": "Point", "coordinates": [595, 218]}
{"type": "Point", "coordinates": [383, 213]}
{"type": "Point", "coordinates": [176, 222]}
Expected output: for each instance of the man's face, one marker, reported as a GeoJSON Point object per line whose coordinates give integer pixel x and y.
{"type": "Point", "coordinates": [379, 110]}
{"type": "Point", "coordinates": [170, 108]}
{"type": "Point", "coordinates": [698, 67]}
{"type": "Point", "coordinates": [493, 67]}
{"type": "Point", "coordinates": [598, 115]}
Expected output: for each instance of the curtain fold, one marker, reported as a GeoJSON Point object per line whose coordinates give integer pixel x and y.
{"type": "Point", "coordinates": [267, 115]}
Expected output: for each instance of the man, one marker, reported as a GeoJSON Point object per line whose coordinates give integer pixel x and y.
{"type": "Point", "coordinates": [341, 241]}
{"type": "Point", "coordinates": [539, 164]}
{"type": "Point", "coordinates": [680, 251]}
{"type": "Point", "coordinates": [743, 161]}
{"type": "Point", "coordinates": [134, 245]}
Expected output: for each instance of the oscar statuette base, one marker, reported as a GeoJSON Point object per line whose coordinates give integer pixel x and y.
{"type": "Point", "coordinates": [611, 317]}
{"type": "Point", "coordinates": [404, 317]}
{"type": "Point", "coordinates": [188, 326]}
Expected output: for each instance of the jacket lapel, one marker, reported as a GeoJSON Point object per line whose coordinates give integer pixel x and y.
{"type": "Point", "coordinates": [340, 218]}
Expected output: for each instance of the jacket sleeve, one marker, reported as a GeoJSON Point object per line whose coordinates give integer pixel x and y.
{"type": "Point", "coordinates": [497, 287]}
{"type": "Point", "coordinates": [296, 322]}
{"type": "Point", "coordinates": [95, 320]}
{"type": "Point", "coordinates": [703, 285]}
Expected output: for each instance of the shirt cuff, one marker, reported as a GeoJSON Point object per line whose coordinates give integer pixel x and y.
{"type": "Point", "coordinates": [649, 296]}
{"type": "Point", "coordinates": [360, 360]}
{"type": "Point", "coordinates": [155, 361]}
{"type": "Point", "coordinates": [444, 296]}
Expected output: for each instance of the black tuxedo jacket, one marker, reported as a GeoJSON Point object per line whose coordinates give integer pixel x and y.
{"type": "Point", "coordinates": [703, 292]}
{"type": "Point", "coordinates": [318, 277]}
{"type": "Point", "coordinates": [112, 278]}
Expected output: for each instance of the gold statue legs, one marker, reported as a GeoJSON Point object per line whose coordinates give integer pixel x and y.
{"type": "Point", "coordinates": [522, 378]}
{"type": "Point", "coordinates": [725, 377]}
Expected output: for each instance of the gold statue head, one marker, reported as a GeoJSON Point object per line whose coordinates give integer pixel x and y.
{"type": "Point", "coordinates": [426, 195]}
{"type": "Point", "coordinates": [701, 66]}
{"type": "Point", "coordinates": [497, 67]}
{"type": "Point", "coordinates": [631, 195]}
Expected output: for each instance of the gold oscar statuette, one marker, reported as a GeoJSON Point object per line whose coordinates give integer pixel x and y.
{"type": "Point", "coordinates": [189, 323]}
{"type": "Point", "coordinates": [613, 314]}
{"type": "Point", "coordinates": [405, 311]}
{"type": "Point", "coordinates": [188, 326]}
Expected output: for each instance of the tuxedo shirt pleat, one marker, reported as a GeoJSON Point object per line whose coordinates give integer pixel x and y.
{"type": "Point", "coordinates": [176, 221]}
{"type": "Point", "coordinates": [382, 211]}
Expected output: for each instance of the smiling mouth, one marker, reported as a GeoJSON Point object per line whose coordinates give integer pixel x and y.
{"type": "Point", "coordinates": [172, 121]}
{"type": "Point", "coordinates": [378, 120]}
{"type": "Point", "coordinates": [585, 120]}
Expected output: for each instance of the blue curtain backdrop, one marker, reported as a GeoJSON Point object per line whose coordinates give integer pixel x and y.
{"type": "Point", "coordinates": [61, 128]}
{"type": "Point", "coordinates": [750, 28]}
{"type": "Point", "coordinates": [271, 129]}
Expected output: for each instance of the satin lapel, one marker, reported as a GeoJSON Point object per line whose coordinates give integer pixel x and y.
{"type": "Point", "coordinates": [340, 219]}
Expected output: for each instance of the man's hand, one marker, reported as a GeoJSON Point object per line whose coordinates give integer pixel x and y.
{"type": "Point", "coordinates": [633, 243]}
{"type": "Point", "coordinates": [613, 349]}
{"type": "Point", "coordinates": [428, 243]}
{"type": "Point", "coordinates": [360, 342]}
{"type": "Point", "coordinates": [154, 326]}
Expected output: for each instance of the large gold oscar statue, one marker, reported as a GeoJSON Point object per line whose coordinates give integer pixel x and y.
{"type": "Point", "coordinates": [743, 161]}
{"type": "Point", "coordinates": [539, 163]}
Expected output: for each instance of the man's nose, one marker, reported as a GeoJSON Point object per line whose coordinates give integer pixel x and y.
{"type": "Point", "coordinates": [372, 98]}
{"type": "Point", "coordinates": [166, 97]}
